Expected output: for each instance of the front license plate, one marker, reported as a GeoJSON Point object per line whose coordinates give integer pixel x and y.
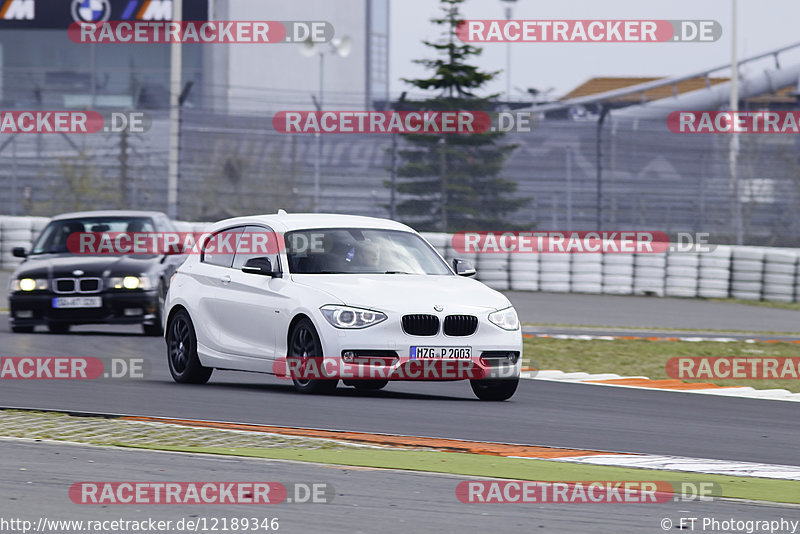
{"type": "Point", "coordinates": [441, 353]}
{"type": "Point", "coordinates": [78, 302]}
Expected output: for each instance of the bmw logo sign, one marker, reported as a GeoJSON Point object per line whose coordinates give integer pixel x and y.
{"type": "Point", "coordinates": [438, 308]}
{"type": "Point", "coordinates": [91, 10]}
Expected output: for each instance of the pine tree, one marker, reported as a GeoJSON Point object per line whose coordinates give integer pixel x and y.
{"type": "Point", "coordinates": [451, 182]}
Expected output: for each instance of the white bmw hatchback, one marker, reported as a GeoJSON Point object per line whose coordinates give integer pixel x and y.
{"type": "Point", "coordinates": [321, 298]}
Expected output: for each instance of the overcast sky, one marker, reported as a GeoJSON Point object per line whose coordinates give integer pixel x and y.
{"type": "Point", "coordinates": [763, 25]}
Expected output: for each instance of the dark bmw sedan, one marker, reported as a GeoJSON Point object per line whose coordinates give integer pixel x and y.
{"type": "Point", "coordinates": [60, 284]}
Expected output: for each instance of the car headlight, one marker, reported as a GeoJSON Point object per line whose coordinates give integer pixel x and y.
{"type": "Point", "coordinates": [347, 317]}
{"type": "Point", "coordinates": [30, 284]}
{"type": "Point", "coordinates": [130, 282]}
{"type": "Point", "coordinates": [506, 319]}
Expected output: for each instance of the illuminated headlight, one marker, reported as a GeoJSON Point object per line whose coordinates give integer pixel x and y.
{"type": "Point", "coordinates": [130, 282]}
{"type": "Point", "coordinates": [30, 284]}
{"type": "Point", "coordinates": [506, 319]}
{"type": "Point", "coordinates": [346, 317]}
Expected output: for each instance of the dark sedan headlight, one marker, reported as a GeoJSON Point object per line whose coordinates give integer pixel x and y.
{"type": "Point", "coordinates": [29, 284]}
{"type": "Point", "coordinates": [130, 282]}
{"type": "Point", "coordinates": [348, 317]}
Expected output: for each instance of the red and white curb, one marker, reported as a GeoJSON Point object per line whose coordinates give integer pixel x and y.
{"type": "Point", "coordinates": [692, 465]}
{"type": "Point", "coordinates": [642, 382]}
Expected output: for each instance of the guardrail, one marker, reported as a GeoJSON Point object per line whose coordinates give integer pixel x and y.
{"type": "Point", "coordinates": [752, 273]}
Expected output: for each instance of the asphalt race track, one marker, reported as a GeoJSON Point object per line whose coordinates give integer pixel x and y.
{"type": "Point", "coordinates": [649, 312]}
{"type": "Point", "coordinates": [366, 500]}
{"type": "Point", "coordinates": [541, 413]}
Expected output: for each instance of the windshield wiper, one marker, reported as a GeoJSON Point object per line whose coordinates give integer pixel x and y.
{"type": "Point", "coordinates": [395, 272]}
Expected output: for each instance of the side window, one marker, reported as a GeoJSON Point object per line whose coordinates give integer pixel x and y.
{"type": "Point", "coordinates": [220, 247]}
{"type": "Point", "coordinates": [257, 242]}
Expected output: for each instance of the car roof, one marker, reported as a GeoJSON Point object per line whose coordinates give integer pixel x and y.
{"type": "Point", "coordinates": [109, 213]}
{"type": "Point", "coordinates": [286, 222]}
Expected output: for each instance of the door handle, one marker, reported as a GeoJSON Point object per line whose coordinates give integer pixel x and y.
{"type": "Point", "coordinates": [225, 279]}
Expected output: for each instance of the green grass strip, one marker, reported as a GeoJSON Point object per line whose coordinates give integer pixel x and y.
{"type": "Point", "coordinates": [758, 489]}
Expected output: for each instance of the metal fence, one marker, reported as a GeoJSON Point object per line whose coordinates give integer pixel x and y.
{"type": "Point", "coordinates": [626, 175]}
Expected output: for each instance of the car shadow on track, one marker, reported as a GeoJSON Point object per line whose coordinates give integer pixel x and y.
{"type": "Point", "coordinates": [341, 391]}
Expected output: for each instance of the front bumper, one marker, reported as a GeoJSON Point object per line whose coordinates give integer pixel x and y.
{"type": "Point", "coordinates": [384, 352]}
{"type": "Point", "coordinates": [36, 308]}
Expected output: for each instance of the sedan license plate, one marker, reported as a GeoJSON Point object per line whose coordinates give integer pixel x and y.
{"type": "Point", "coordinates": [78, 302]}
{"type": "Point", "coordinates": [441, 353]}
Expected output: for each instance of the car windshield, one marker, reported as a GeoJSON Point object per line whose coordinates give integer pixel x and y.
{"type": "Point", "coordinates": [54, 237]}
{"type": "Point", "coordinates": [360, 251]}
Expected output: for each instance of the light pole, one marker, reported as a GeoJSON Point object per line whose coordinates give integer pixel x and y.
{"type": "Point", "coordinates": [733, 149]}
{"type": "Point", "coordinates": [508, 51]}
{"type": "Point", "coordinates": [341, 47]}
{"type": "Point", "coordinates": [174, 116]}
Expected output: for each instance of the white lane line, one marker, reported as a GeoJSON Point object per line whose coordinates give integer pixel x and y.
{"type": "Point", "coordinates": [693, 465]}
{"type": "Point", "coordinates": [689, 339]}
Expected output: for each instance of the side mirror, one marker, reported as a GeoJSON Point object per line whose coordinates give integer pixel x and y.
{"type": "Point", "coordinates": [463, 267]}
{"type": "Point", "coordinates": [19, 252]}
{"type": "Point", "coordinates": [260, 266]}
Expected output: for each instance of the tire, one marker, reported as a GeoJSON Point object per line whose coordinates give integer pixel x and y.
{"type": "Point", "coordinates": [58, 328]}
{"type": "Point", "coordinates": [683, 260]}
{"type": "Point", "coordinates": [618, 259]}
{"type": "Point", "coordinates": [22, 329]}
{"type": "Point", "coordinates": [494, 389]}
{"type": "Point", "coordinates": [184, 365]}
{"type": "Point", "coordinates": [304, 345]}
{"type": "Point", "coordinates": [369, 385]}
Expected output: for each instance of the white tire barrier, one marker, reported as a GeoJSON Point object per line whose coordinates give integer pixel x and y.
{"type": "Point", "coordinates": [740, 272]}
{"type": "Point", "coordinates": [554, 272]}
{"type": "Point", "coordinates": [650, 260]}
{"type": "Point", "coordinates": [683, 259]}
{"type": "Point", "coordinates": [713, 273]}
{"type": "Point", "coordinates": [749, 287]}
{"type": "Point", "coordinates": [493, 270]}
{"type": "Point", "coordinates": [747, 268]}
{"type": "Point", "coordinates": [587, 278]}
{"type": "Point", "coordinates": [440, 241]}
{"type": "Point", "coordinates": [524, 272]}
{"type": "Point", "coordinates": [780, 270]}
{"type": "Point", "coordinates": [714, 283]}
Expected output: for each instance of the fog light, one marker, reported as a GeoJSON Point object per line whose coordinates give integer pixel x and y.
{"type": "Point", "coordinates": [25, 314]}
{"type": "Point", "coordinates": [348, 356]}
{"type": "Point", "coordinates": [133, 311]}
